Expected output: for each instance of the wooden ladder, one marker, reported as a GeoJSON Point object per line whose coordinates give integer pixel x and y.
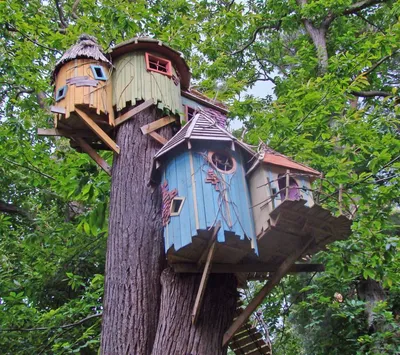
{"type": "Point", "coordinates": [248, 340]}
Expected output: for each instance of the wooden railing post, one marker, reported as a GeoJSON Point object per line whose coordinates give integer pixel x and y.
{"type": "Point", "coordinates": [287, 184]}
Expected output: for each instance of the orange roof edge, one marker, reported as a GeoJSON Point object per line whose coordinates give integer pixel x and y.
{"type": "Point", "coordinates": [286, 162]}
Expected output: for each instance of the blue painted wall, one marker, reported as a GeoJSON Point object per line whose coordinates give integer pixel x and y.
{"type": "Point", "coordinates": [204, 206]}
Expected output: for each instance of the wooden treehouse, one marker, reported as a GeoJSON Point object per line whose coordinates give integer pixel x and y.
{"type": "Point", "coordinates": [226, 208]}
{"type": "Point", "coordinates": [83, 94]}
{"type": "Point", "coordinates": [205, 198]}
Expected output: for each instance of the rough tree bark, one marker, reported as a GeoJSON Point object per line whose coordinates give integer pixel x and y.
{"type": "Point", "coordinates": [133, 320]}
{"type": "Point", "coordinates": [135, 255]}
{"type": "Point", "coordinates": [175, 333]}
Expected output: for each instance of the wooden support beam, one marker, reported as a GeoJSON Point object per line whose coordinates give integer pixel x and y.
{"type": "Point", "coordinates": [97, 130]}
{"type": "Point", "coordinates": [160, 139]}
{"type": "Point", "coordinates": [146, 129]}
{"type": "Point", "coordinates": [271, 283]}
{"type": "Point", "coordinates": [93, 154]}
{"type": "Point", "coordinates": [57, 109]}
{"type": "Point", "coordinates": [206, 273]}
{"type": "Point", "coordinates": [128, 115]}
{"type": "Point", "coordinates": [193, 268]}
{"type": "Point", "coordinates": [52, 132]}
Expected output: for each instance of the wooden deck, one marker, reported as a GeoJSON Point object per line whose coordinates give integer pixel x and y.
{"type": "Point", "coordinates": [290, 222]}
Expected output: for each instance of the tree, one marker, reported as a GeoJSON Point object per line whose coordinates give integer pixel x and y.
{"type": "Point", "coordinates": [336, 109]}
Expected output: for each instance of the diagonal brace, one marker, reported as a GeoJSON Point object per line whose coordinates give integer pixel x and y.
{"type": "Point", "coordinates": [93, 154]}
{"type": "Point", "coordinates": [206, 273]}
{"type": "Point", "coordinates": [97, 130]}
{"type": "Point", "coordinates": [267, 288]}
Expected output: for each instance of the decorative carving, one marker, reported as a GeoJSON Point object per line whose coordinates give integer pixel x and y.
{"type": "Point", "coordinates": [167, 197]}
{"type": "Point", "coordinates": [213, 179]}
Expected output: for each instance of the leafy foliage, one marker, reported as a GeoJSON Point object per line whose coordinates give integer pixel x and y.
{"type": "Point", "coordinates": [341, 118]}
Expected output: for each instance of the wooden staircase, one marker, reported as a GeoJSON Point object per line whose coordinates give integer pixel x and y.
{"type": "Point", "coordinates": [248, 340]}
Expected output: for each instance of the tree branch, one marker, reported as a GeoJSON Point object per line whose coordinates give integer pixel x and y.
{"type": "Point", "coordinates": [372, 93]}
{"type": "Point", "coordinates": [12, 209]}
{"type": "Point", "coordinates": [14, 29]}
{"type": "Point", "coordinates": [352, 9]}
{"type": "Point", "coordinates": [61, 16]}
{"type": "Point", "coordinates": [379, 62]}
{"type": "Point", "coordinates": [254, 36]}
{"type": "Point", "coordinates": [74, 8]}
{"type": "Point", "coordinates": [65, 326]}
{"type": "Point", "coordinates": [361, 5]}
{"type": "Point", "coordinates": [34, 169]}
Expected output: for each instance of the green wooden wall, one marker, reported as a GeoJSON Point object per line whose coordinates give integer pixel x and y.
{"type": "Point", "coordinates": [132, 83]}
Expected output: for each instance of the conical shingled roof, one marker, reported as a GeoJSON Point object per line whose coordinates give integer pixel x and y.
{"type": "Point", "coordinates": [201, 127]}
{"type": "Point", "coordinates": [85, 47]}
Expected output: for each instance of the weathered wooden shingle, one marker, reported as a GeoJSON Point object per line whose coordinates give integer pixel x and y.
{"type": "Point", "coordinates": [202, 127]}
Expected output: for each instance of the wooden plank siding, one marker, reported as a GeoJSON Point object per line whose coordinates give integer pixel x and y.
{"type": "Point", "coordinates": [186, 234]}
{"type": "Point", "coordinates": [132, 83]}
{"type": "Point", "coordinates": [94, 97]}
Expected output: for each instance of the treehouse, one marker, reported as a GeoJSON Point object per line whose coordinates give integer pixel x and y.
{"type": "Point", "coordinates": [284, 211]}
{"type": "Point", "coordinates": [83, 94]}
{"type": "Point", "coordinates": [205, 196]}
{"type": "Point", "coordinates": [146, 70]}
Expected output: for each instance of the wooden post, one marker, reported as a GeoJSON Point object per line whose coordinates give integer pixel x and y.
{"type": "Point", "coordinates": [93, 154]}
{"type": "Point", "coordinates": [271, 283]}
{"type": "Point", "coordinates": [97, 130]}
{"type": "Point", "coordinates": [287, 184]}
{"type": "Point", "coordinates": [206, 273]}
{"type": "Point", "coordinates": [272, 198]}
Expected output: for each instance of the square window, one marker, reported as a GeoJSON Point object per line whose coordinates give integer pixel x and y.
{"type": "Point", "coordinates": [61, 92]}
{"type": "Point", "coordinates": [176, 206]}
{"type": "Point", "coordinates": [98, 72]}
{"type": "Point", "coordinates": [158, 65]}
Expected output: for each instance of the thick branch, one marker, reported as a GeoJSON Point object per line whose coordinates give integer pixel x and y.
{"type": "Point", "coordinates": [12, 209]}
{"type": "Point", "coordinates": [61, 16]}
{"type": "Point", "coordinates": [74, 8]}
{"type": "Point", "coordinates": [372, 93]}
{"type": "Point", "coordinates": [361, 5]}
{"type": "Point", "coordinates": [352, 9]}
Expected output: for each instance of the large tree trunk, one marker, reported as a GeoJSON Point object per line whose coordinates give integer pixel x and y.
{"type": "Point", "coordinates": [175, 333]}
{"type": "Point", "coordinates": [132, 319]}
{"type": "Point", "coordinates": [135, 256]}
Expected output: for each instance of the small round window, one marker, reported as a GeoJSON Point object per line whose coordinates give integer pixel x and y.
{"type": "Point", "coordinates": [222, 162]}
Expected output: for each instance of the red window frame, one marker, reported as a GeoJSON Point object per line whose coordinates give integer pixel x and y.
{"type": "Point", "coordinates": [189, 111]}
{"type": "Point", "coordinates": [154, 63]}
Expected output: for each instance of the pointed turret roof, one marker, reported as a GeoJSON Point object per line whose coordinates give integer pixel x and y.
{"type": "Point", "coordinates": [202, 127]}
{"type": "Point", "coordinates": [85, 47]}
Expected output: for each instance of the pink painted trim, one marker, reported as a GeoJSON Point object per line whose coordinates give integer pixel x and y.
{"type": "Point", "coordinates": [150, 58]}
